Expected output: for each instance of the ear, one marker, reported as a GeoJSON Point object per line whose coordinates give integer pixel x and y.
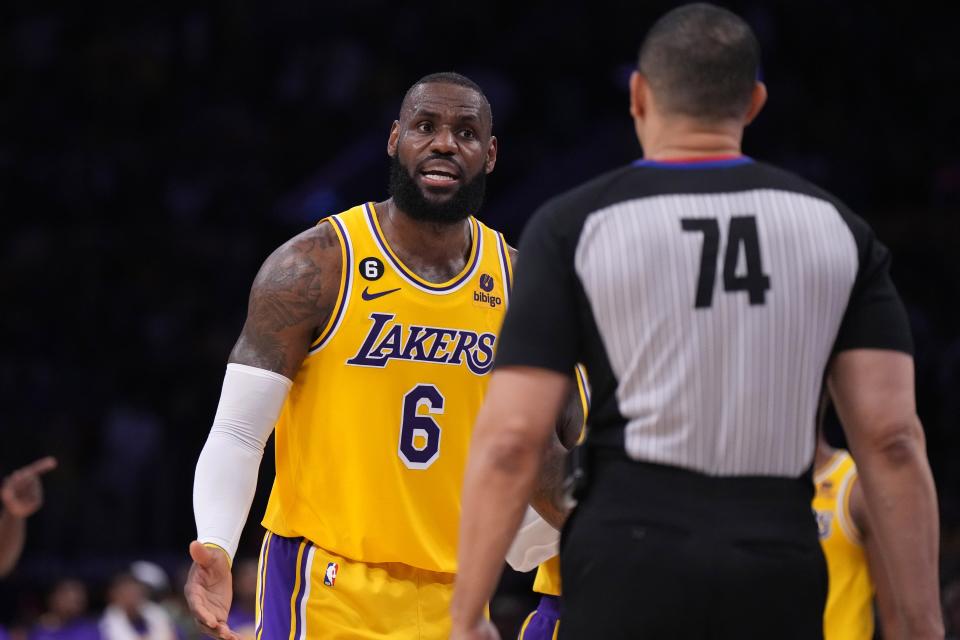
{"type": "Point", "coordinates": [638, 95]}
{"type": "Point", "coordinates": [491, 159]}
{"type": "Point", "coordinates": [757, 99]}
{"type": "Point", "coordinates": [393, 138]}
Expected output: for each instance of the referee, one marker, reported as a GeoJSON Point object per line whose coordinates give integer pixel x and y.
{"type": "Point", "coordinates": [710, 296]}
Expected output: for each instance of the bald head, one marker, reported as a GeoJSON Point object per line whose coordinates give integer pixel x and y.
{"type": "Point", "coordinates": [448, 77]}
{"type": "Point", "coordinates": [701, 61]}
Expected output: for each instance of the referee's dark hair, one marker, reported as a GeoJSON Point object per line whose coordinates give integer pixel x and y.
{"type": "Point", "coordinates": [701, 61]}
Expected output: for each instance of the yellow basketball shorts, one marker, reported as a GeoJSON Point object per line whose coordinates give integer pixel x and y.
{"type": "Point", "coordinates": [304, 592]}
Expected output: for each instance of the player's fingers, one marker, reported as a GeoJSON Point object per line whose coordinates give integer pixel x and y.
{"type": "Point", "coordinates": [206, 629]}
{"type": "Point", "coordinates": [201, 554]}
{"type": "Point", "coordinates": [41, 466]}
{"type": "Point", "coordinates": [202, 615]}
{"type": "Point", "coordinates": [225, 633]}
{"type": "Point", "coordinates": [198, 605]}
{"type": "Point", "coordinates": [19, 481]}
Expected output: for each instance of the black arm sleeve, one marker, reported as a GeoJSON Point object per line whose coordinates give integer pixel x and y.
{"type": "Point", "coordinates": [875, 317]}
{"type": "Point", "coordinates": [542, 327]}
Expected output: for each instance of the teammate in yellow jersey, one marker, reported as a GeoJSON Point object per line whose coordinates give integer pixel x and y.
{"type": "Point", "coordinates": [854, 566]}
{"type": "Point", "coordinates": [368, 344]}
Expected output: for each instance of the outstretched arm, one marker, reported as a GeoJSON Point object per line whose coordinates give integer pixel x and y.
{"type": "Point", "coordinates": [873, 391]}
{"type": "Point", "coordinates": [290, 302]}
{"type": "Point", "coordinates": [21, 495]}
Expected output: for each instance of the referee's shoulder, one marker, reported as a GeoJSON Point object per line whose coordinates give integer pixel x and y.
{"type": "Point", "coordinates": [585, 198]}
{"type": "Point", "coordinates": [785, 180]}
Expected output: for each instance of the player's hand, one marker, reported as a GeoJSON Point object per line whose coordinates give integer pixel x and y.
{"type": "Point", "coordinates": [22, 491]}
{"type": "Point", "coordinates": [209, 590]}
{"type": "Point", "coordinates": [483, 630]}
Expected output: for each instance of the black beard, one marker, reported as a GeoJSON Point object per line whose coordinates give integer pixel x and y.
{"type": "Point", "coordinates": [407, 195]}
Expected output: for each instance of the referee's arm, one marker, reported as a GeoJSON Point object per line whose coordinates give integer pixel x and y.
{"type": "Point", "coordinates": [871, 380]}
{"type": "Point", "coordinates": [537, 351]}
{"type": "Point", "coordinates": [874, 397]}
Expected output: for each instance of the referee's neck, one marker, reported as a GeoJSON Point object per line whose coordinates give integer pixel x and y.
{"type": "Point", "coordinates": [680, 137]}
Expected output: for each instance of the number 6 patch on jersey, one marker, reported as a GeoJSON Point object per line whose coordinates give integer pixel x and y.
{"type": "Point", "coordinates": [419, 444]}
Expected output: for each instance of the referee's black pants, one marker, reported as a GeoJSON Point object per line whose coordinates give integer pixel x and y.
{"type": "Point", "coordinates": [657, 552]}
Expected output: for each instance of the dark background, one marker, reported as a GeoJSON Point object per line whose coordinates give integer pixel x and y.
{"type": "Point", "coordinates": [152, 157]}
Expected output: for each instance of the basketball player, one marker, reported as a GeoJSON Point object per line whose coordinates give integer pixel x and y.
{"type": "Point", "coordinates": [367, 343]}
{"type": "Point", "coordinates": [21, 495]}
{"type": "Point", "coordinates": [709, 296]}
{"type": "Point", "coordinates": [855, 565]}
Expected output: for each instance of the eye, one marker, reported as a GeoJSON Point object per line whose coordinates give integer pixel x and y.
{"type": "Point", "coordinates": [425, 127]}
{"type": "Point", "coordinates": [469, 134]}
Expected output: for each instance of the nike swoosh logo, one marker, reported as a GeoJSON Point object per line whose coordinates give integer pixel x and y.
{"type": "Point", "coordinates": [366, 295]}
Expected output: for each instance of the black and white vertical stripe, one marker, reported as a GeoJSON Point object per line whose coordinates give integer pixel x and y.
{"type": "Point", "coordinates": [729, 389]}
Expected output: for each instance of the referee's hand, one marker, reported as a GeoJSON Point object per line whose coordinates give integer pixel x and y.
{"type": "Point", "coordinates": [209, 591]}
{"type": "Point", "coordinates": [483, 630]}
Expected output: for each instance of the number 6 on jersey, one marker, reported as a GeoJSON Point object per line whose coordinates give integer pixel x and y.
{"type": "Point", "coordinates": [416, 429]}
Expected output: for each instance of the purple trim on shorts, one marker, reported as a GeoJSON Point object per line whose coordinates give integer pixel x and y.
{"type": "Point", "coordinates": [303, 590]}
{"type": "Point", "coordinates": [263, 581]}
{"type": "Point", "coordinates": [544, 620]}
{"type": "Point", "coordinates": [281, 578]}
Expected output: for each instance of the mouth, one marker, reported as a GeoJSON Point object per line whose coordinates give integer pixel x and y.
{"type": "Point", "coordinates": [439, 175]}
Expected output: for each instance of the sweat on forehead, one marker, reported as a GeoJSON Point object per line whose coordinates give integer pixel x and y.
{"type": "Point", "coordinates": [442, 92]}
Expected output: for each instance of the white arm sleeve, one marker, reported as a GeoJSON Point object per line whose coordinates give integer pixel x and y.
{"type": "Point", "coordinates": [226, 476]}
{"type": "Point", "coordinates": [536, 542]}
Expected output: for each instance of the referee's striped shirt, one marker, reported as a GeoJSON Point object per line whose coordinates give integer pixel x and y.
{"type": "Point", "coordinates": [706, 300]}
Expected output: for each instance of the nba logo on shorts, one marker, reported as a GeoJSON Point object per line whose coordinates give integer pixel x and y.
{"type": "Point", "coordinates": [330, 576]}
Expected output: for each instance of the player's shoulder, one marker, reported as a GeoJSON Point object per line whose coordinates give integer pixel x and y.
{"type": "Point", "coordinates": [319, 242]}
{"type": "Point", "coordinates": [312, 256]}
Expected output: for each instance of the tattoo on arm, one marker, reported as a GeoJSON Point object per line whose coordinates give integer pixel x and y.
{"type": "Point", "coordinates": [291, 299]}
{"type": "Point", "coordinates": [550, 492]}
{"type": "Point", "coordinates": [549, 496]}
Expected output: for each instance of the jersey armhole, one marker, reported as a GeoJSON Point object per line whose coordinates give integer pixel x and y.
{"type": "Point", "coordinates": [343, 293]}
{"type": "Point", "coordinates": [847, 525]}
{"type": "Point", "coordinates": [506, 265]}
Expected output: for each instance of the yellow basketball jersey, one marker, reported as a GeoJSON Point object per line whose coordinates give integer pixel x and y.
{"type": "Point", "coordinates": [849, 611]}
{"type": "Point", "coordinates": [372, 441]}
{"type": "Point", "coordinates": [547, 580]}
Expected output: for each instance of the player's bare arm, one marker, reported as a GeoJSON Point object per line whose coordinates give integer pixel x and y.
{"type": "Point", "coordinates": [873, 391]}
{"type": "Point", "coordinates": [290, 302]}
{"type": "Point", "coordinates": [549, 493]}
{"type": "Point", "coordinates": [886, 607]}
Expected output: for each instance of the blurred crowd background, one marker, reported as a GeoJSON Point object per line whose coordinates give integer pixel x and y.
{"type": "Point", "coordinates": [152, 156]}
